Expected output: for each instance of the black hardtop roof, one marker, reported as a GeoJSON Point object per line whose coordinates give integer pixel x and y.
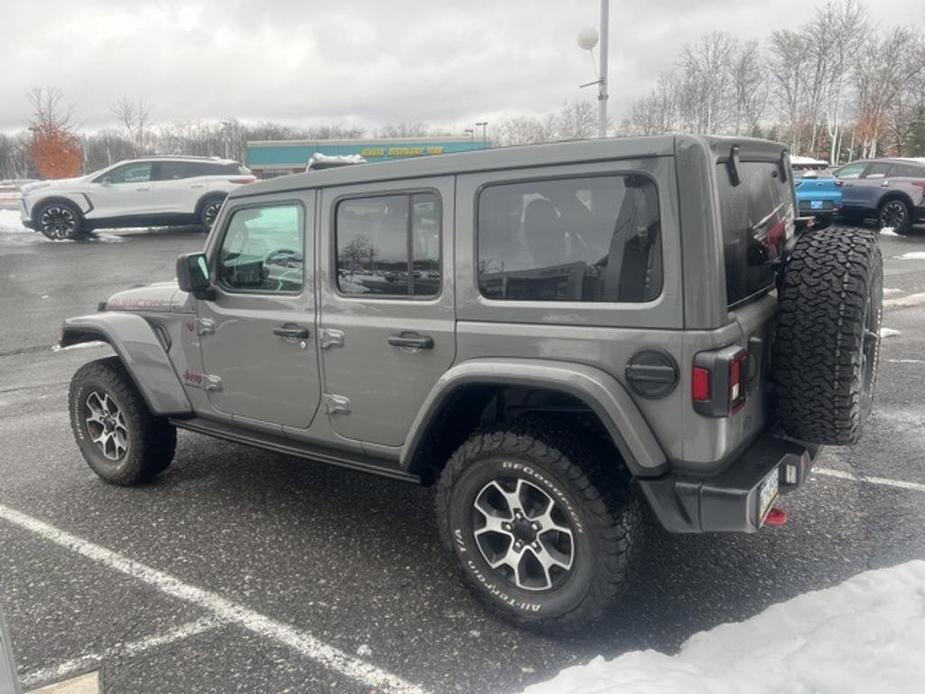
{"type": "Point", "coordinates": [520, 156]}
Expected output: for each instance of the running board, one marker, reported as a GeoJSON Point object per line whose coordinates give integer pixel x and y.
{"type": "Point", "coordinates": [277, 444]}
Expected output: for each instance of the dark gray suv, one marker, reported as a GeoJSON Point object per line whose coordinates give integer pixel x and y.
{"type": "Point", "coordinates": [892, 190]}
{"type": "Point", "coordinates": [555, 335]}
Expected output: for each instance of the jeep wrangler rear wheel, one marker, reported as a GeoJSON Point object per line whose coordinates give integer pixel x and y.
{"type": "Point", "coordinates": [542, 522]}
{"type": "Point", "coordinates": [119, 437]}
{"type": "Point", "coordinates": [827, 344]}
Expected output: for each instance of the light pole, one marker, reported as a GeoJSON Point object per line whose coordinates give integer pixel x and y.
{"type": "Point", "coordinates": [471, 133]}
{"type": "Point", "coordinates": [484, 126]}
{"type": "Point", "coordinates": [587, 39]}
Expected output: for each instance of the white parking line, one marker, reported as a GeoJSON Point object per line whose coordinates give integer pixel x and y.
{"type": "Point", "coordinates": [223, 609]}
{"type": "Point", "coordinates": [883, 481]}
{"type": "Point", "coordinates": [94, 660]}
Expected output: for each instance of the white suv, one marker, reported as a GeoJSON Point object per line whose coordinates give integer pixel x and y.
{"type": "Point", "coordinates": [154, 191]}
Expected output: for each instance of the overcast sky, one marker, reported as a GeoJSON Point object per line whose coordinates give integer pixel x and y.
{"type": "Point", "coordinates": [364, 62]}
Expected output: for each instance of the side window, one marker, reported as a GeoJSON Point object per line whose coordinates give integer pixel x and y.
{"type": "Point", "coordinates": [878, 169]}
{"type": "Point", "coordinates": [851, 170]}
{"type": "Point", "coordinates": [389, 245]}
{"type": "Point", "coordinates": [171, 170]}
{"type": "Point", "coordinates": [572, 239]}
{"type": "Point", "coordinates": [261, 250]}
{"type": "Point", "coordinates": [907, 171]}
{"type": "Point", "coordinates": [130, 173]}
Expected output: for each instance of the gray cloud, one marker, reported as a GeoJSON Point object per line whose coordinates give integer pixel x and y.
{"type": "Point", "coordinates": [356, 61]}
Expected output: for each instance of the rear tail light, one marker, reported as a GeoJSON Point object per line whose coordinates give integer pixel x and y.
{"type": "Point", "coordinates": [242, 179]}
{"type": "Point", "coordinates": [700, 384]}
{"type": "Point", "coordinates": [719, 381]}
{"type": "Point", "coordinates": [737, 382]}
{"type": "Point", "coordinates": [920, 184]}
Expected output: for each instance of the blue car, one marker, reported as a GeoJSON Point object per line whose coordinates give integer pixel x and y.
{"type": "Point", "coordinates": [819, 193]}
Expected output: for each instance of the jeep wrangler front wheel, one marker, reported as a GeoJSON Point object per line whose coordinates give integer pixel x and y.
{"type": "Point", "coordinates": [542, 523]}
{"type": "Point", "coordinates": [119, 437]}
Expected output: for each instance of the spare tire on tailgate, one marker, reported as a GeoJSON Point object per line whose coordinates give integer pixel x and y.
{"type": "Point", "coordinates": [827, 342]}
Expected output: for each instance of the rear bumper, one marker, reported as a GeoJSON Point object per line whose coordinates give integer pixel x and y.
{"type": "Point", "coordinates": [728, 501]}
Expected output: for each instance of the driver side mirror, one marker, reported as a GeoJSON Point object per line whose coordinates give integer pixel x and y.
{"type": "Point", "coordinates": [193, 275]}
{"type": "Point", "coordinates": [106, 181]}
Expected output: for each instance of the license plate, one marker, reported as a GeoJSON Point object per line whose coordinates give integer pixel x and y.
{"type": "Point", "coordinates": [815, 205]}
{"type": "Point", "coordinates": [767, 493]}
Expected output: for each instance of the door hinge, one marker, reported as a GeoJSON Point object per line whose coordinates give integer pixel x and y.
{"type": "Point", "coordinates": [331, 338]}
{"type": "Point", "coordinates": [206, 326]}
{"type": "Point", "coordinates": [336, 404]}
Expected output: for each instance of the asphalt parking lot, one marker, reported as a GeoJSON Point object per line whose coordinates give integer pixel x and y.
{"type": "Point", "coordinates": [241, 570]}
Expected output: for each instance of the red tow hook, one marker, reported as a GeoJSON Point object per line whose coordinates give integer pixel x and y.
{"type": "Point", "coordinates": [776, 517]}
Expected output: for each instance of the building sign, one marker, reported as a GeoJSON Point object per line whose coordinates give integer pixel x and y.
{"type": "Point", "coordinates": [279, 157]}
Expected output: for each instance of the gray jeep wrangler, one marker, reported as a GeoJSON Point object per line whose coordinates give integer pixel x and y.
{"type": "Point", "coordinates": [556, 335]}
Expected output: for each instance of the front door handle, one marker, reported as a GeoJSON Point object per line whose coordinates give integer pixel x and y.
{"type": "Point", "coordinates": [143, 189]}
{"type": "Point", "coordinates": [885, 184]}
{"type": "Point", "coordinates": [289, 330]}
{"type": "Point", "coordinates": [411, 339]}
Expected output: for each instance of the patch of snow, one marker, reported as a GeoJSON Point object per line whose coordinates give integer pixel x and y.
{"type": "Point", "coordinates": [890, 290]}
{"type": "Point", "coordinates": [11, 223]}
{"type": "Point", "coordinates": [364, 651]}
{"type": "Point", "coordinates": [912, 255]}
{"type": "Point", "coordinates": [888, 231]}
{"type": "Point", "coordinates": [888, 332]}
{"type": "Point", "coordinates": [865, 635]}
{"type": "Point", "coordinates": [910, 300]}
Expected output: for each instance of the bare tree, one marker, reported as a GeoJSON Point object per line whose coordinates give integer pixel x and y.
{"type": "Point", "coordinates": [749, 86]}
{"type": "Point", "coordinates": [525, 130]}
{"type": "Point", "coordinates": [705, 68]}
{"type": "Point", "coordinates": [788, 59]}
{"type": "Point", "coordinates": [884, 69]}
{"type": "Point", "coordinates": [135, 118]}
{"type": "Point", "coordinates": [576, 120]}
{"type": "Point", "coordinates": [404, 129]}
{"type": "Point", "coordinates": [845, 24]}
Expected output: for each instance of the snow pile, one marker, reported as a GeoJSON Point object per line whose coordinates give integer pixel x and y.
{"type": "Point", "coordinates": [888, 231]}
{"type": "Point", "coordinates": [888, 332]}
{"type": "Point", "coordinates": [11, 222]}
{"type": "Point", "coordinates": [912, 255]}
{"type": "Point", "coordinates": [865, 635]}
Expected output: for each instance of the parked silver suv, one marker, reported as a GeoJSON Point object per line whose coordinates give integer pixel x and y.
{"type": "Point", "coordinates": [554, 334]}
{"type": "Point", "coordinates": [892, 190]}
{"type": "Point", "coordinates": [154, 191]}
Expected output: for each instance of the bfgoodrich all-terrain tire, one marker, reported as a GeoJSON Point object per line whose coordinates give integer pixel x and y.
{"type": "Point", "coordinates": [119, 437]}
{"type": "Point", "coordinates": [542, 521]}
{"type": "Point", "coordinates": [828, 335]}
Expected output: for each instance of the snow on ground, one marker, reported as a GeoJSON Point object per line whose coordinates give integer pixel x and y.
{"type": "Point", "coordinates": [888, 231]}
{"type": "Point", "coordinates": [890, 290]}
{"type": "Point", "coordinates": [865, 635]}
{"type": "Point", "coordinates": [888, 332]}
{"type": "Point", "coordinates": [912, 255]}
{"type": "Point", "coordinates": [904, 301]}
{"type": "Point", "coordinates": [10, 223]}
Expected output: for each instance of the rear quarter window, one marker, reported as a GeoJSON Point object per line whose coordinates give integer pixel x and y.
{"type": "Point", "coordinates": [756, 218]}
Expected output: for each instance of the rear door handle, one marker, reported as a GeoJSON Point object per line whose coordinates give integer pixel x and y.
{"type": "Point", "coordinates": [411, 339]}
{"type": "Point", "coordinates": [289, 330]}
{"type": "Point", "coordinates": [144, 188]}
{"type": "Point", "coordinates": [198, 185]}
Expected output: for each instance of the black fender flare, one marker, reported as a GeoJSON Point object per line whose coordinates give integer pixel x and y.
{"type": "Point", "coordinates": [140, 350]}
{"type": "Point", "coordinates": [609, 400]}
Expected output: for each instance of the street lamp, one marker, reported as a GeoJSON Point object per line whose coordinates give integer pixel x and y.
{"type": "Point", "coordinates": [471, 133]}
{"type": "Point", "coordinates": [587, 40]}
{"type": "Point", "coordinates": [484, 126]}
